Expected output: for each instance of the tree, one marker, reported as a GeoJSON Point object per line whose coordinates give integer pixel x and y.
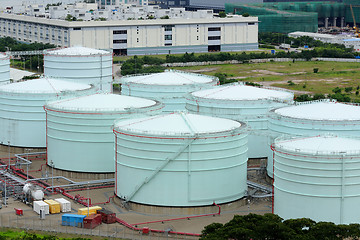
{"type": "Point", "coordinates": [222, 14]}
{"type": "Point", "coordinates": [246, 14]}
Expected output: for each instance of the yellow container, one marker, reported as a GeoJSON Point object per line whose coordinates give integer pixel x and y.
{"type": "Point", "coordinates": [91, 210]}
{"type": "Point", "coordinates": [54, 207]}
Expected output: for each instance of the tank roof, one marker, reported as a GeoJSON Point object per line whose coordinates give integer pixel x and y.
{"type": "Point", "coordinates": [177, 123]}
{"type": "Point", "coordinates": [101, 102]}
{"type": "Point", "coordinates": [77, 51]}
{"type": "Point", "coordinates": [170, 77]}
{"type": "Point", "coordinates": [325, 110]}
{"type": "Point", "coordinates": [242, 92]}
{"type": "Point", "coordinates": [3, 55]}
{"type": "Point", "coordinates": [322, 145]}
{"type": "Point", "coordinates": [43, 85]}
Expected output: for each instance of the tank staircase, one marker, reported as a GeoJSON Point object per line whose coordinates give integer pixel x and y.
{"type": "Point", "coordinates": [159, 168]}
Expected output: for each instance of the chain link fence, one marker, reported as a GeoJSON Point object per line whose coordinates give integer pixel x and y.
{"type": "Point", "coordinates": [108, 231]}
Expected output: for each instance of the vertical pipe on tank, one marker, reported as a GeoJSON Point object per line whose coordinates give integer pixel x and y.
{"type": "Point", "coordinates": [342, 189]}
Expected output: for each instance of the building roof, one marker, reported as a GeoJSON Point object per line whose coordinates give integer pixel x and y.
{"type": "Point", "coordinates": [77, 51]}
{"type": "Point", "coordinates": [101, 102]}
{"type": "Point", "coordinates": [243, 92]}
{"type": "Point", "coordinates": [326, 111]}
{"type": "Point", "coordinates": [328, 145]}
{"type": "Point", "coordinates": [44, 85]}
{"type": "Point", "coordinates": [169, 77]}
{"type": "Point", "coordinates": [117, 23]}
{"type": "Point", "coordinates": [177, 123]}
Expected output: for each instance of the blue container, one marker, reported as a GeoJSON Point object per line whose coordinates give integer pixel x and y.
{"type": "Point", "coordinates": [73, 220]}
{"type": "Point", "coordinates": [273, 51]}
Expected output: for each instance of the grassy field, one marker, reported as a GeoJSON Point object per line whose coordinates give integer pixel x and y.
{"type": "Point", "coordinates": [301, 74]}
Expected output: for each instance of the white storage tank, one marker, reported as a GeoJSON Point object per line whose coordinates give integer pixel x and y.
{"type": "Point", "coordinates": [79, 130]}
{"type": "Point", "coordinates": [82, 65]}
{"type": "Point", "coordinates": [317, 178]}
{"type": "Point", "coordinates": [22, 116]}
{"type": "Point", "coordinates": [313, 118]}
{"type": "Point", "coordinates": [244, 103]}
{"type": "Point", "coordinates": [180, 160]}
{"type": "Point", "coordinates": [4, 69]}
{"type": "Point", "coordinates": [169, 87]}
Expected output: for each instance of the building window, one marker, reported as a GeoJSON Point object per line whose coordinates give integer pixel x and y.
{"type": "Point", "coordinates": [137, 40]}
{"type": "Point", "coordinates": [197, 37]}
{"type": "Point", "coordinates": [214, 38]}
{"type": "Point", "coordinates": [214, 29]}
{"type": "Point", "coordinates": [120, 32]}
{"type": "Point", "coordinates": [168, 37]}
{"type": "Point", "coordinates": [76, 28]}
{"type": "Point", "coordinates": [120, 41]}
{"type": "Point", "coordinates": [168, 44]}
{"type": "Point", "coordinates": [168, 28]}
{"type": "Point", "coordinates": [251, 23]}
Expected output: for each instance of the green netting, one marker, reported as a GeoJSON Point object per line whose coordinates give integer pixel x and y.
{"type": "Point", "coordinates": [285, 17]}
{"type": "Point", "coordinates": [356, 9]}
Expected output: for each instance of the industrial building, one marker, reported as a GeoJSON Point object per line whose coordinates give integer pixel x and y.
{"type": "Point", "coordinates": [317, 178]}
{"type": "Point", "coordinates": [286, 17]}
{"type": "Point", "coordinates": [311, 119]}
{"type": "Point", "coordinates": [180, 160]}
{"type": "Point", "coordinates": [243, 103]}
{"type": "Point", "coordinates": [137, 37]}
{"type": "Point", "coordinates": [169, 87]}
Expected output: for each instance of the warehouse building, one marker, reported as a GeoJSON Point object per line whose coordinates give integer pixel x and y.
{"type": "Point", "coordinates": [137, 37]}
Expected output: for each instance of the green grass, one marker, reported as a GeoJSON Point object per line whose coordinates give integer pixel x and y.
{"type": "Point", "coordinates": [329, 76]}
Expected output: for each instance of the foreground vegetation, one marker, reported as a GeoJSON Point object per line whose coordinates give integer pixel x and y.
{"type": "Point", "coordinates": [14, 235]}
{"type": "Point", "coordinates": [272, 227]}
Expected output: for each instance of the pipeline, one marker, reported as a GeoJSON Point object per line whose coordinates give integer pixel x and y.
{"type": "Point", "coordinates": [122, 222]}
{"type": "Point", "coordinates": [188, 218]}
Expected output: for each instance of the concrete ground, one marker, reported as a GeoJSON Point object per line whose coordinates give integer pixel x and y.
{"type": "Point", "coordinates": [195, 225]}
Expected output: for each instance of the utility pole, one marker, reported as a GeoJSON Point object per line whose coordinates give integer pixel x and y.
{"type": "Point", "coordinates": [52, 175]}
{"type": "Point", "coordinates": [9, 168]}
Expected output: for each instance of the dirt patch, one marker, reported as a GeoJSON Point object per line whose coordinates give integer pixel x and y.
{"type": "Point", "coordinates": [268, 72]}
{"type": "Point", "coordinates": [204, 70]}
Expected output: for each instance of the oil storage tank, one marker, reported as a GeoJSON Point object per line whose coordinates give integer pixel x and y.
{"type": "Point", "coordinates": [313, 118]}
{"type": "Point", "coordinates": [82, 65]}
{"type": "Point", "coordinates": [168, 87]}
{"type": "Point", "coordinates": [244, 103]}
{"type": "Point", "coordinates": [318, 178]}
{"type": "Point", "coordinates": [180, 160]}
{"type": "Point", "coordinates": [79, 130]}
{"type": "Point", "coordinates": [22, 116]}
{"type": "Point", "coordinates": [4, 69]}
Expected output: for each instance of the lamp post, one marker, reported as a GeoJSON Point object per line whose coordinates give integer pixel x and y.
{"type": "Point", "coordinates": [9, 156]}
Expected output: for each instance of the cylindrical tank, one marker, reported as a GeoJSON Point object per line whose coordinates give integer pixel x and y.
{"type": "Point", "coordinates": [169, 87]}
{"type": "Point", "coordinates": [318, 178]}
{"type": "Point", "coordinates": [79, 130]}
{"type": "Point", "coordinates": [244, 103]}
{"type": "Point", "coordinates": [313, 118]}
{"type": "Point", "coordinates": [82, 65]}
{"type": "Point", "coordinates": [22, 116]}
{"type": "Point", "coordinates": [4, 69]}
{"type": "Point", "coordinates": [30, 190]}
{"type": "Point", "coordinates": [180, 159]}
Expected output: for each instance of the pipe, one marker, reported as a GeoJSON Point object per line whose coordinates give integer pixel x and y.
{"type": "Point", "coordinates": [188, 218]}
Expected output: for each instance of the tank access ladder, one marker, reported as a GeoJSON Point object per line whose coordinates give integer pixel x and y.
{"type": "Point", "coordinates": [158, 169]}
